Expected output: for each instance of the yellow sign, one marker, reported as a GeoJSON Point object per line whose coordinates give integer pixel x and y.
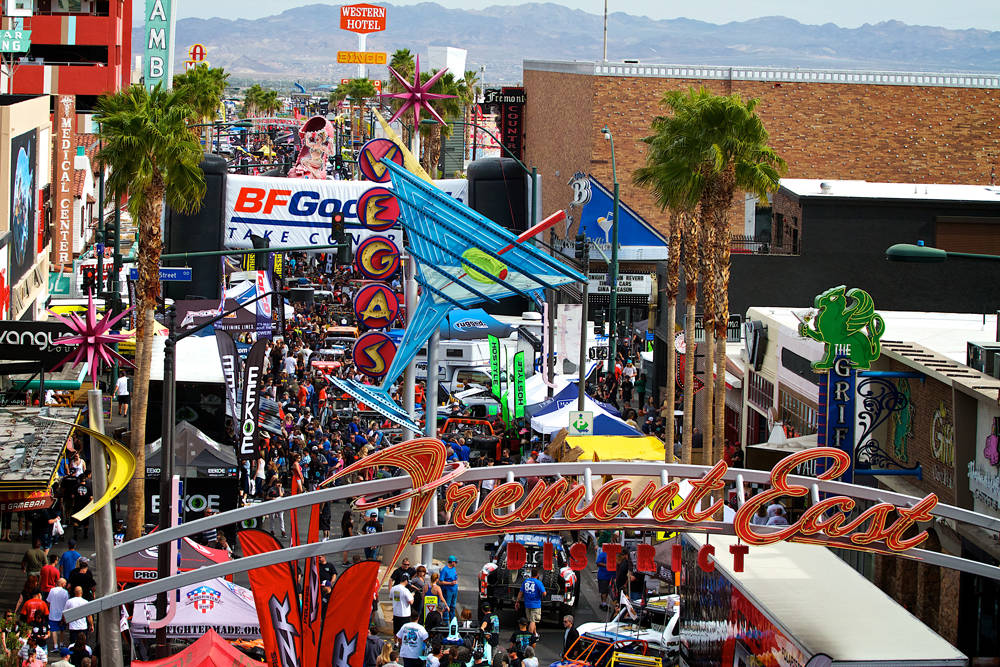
{"type": "Point", "coordinates": [361, 57]}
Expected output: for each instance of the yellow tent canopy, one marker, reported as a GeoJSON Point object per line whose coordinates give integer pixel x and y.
{"type": "Point", "coordinates": [617, 447]}
{"type": "Point", "coordinates": [127, 346]}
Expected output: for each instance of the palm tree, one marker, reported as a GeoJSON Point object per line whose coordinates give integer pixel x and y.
{"type": "Point", "coordinates": [269, 102]}
{"type": "Point", "coordinates": [736, 156]}
{"type": "Point", "coordinates": [153, 157]}
{"type": "Point", "coordinates": [251, 100]}
{"type": "Point", "coordinates": [706, 246]}
{"type": "Point", "coordinates": [201, 89]}
{"type": "Point", "coordinates": [710, 147]}
{"type": "Point", "coordinates": [448, 108]}
{"type": "Point", "coordinates": [470, 88]}
{"type": "Point", "coordinates": [358, 90]}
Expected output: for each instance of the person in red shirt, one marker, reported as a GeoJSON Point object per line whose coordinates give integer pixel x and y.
{"type": "Point", "coordinates": [36, 603]}
{"type": "Point", "coordinates": [49, 575]}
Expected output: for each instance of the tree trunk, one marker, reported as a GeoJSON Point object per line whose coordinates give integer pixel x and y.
{"type": "Point", "coordinates": [721, 325]}
{"type": "Point", "coordinates": [708, 322]}
{"type": "Point", "coordinates": [147, 291]}
{"type": "Point", "coordinates": [673, 280]}
{"type": "Point", "coordinates": [690, 301]}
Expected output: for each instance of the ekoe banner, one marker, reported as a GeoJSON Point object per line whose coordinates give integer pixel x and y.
{"type": "Point", "coordinates": [297, 212]}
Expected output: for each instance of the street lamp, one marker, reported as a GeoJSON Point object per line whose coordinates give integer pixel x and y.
{"type": "Point", "coordinates": [613, 269]}
{"type": "Point", "coordinates": [908, 252]}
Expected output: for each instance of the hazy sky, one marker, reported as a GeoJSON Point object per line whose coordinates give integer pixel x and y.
{"type": "Point", "coordinates": [848, 13]}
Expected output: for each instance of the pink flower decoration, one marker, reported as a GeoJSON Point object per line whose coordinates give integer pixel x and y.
{"type": "Point", "coordinates": [417, 95]}
{"type": "Point", "coordinates": [92, 339]}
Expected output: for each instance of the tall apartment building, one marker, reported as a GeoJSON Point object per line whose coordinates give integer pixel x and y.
{"type": "Point", "coordinates": [78, 47]}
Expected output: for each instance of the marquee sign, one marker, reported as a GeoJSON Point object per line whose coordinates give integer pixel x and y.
{"type": "Point", "coordinates": [362, 18]}
{"type": "Point", "coordinates": [512, 506]}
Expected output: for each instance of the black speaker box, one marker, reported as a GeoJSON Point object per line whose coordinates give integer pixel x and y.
{"type": "Point", "coordinates": [201, 230]}
{"type": "Point", "coordinates": [498, 188]}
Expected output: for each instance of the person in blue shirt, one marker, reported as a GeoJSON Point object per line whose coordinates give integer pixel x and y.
{"type": "Point", "coordinates": [531, 593]}
{"type": "Point", "coordinates": [449, 585]}
{"type": "Point", "coordinates": [67, 562]}
{"type": "Point", "coordinates": [604, 577]}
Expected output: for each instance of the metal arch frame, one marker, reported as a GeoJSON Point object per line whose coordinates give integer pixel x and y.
{"type": "Point", "coordinates": [507, 473]}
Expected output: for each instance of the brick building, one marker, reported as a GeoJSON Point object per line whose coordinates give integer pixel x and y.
{"type": "Point", "coordinates": [84, 50]}
{"type": "Point", "coordinates": [880, 126]}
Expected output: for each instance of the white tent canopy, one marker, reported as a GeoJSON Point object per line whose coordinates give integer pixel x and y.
{"type": "Point", "coordinates": [215, 604]}
{"type": "Point", "coordinates": [190, 444]}
{"type": "Point", "coordinates": [551, 422]}
{"type": "Point", "coordinates": [197, 359]}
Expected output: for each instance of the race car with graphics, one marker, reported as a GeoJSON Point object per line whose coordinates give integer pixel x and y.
{"type": "Point", "coordinates": [499, 585]}
{"type": "Point", "coordinates": [655, 621]}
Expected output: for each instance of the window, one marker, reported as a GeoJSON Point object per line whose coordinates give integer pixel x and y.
{"type": "Point", "coordinates": [797, 415]}
{"type": "Point", "coordinates": [760, 391]}
{"type": "Point", "coordinates": [471, 377]}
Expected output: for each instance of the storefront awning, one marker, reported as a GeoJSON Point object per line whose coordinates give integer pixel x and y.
{"type": "Point", "coordinates": [30, 447]}
{"type": "Point", "coordinates": [618, 447]}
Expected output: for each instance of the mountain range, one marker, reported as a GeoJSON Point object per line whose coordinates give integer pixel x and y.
{"type": "Point", "coordinates": [301, 43]}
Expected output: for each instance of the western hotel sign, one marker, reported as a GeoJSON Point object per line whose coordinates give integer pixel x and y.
{"type": "Point", "coordinates": [65, 154]}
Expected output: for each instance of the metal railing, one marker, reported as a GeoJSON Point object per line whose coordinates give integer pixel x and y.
{"type": "Point", "coordinates": [747, 245]}
{"type": "Point", "coordinates": [734, 328]}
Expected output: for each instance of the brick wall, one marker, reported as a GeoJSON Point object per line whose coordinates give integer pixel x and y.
{"type": "Point", "coordinates": [823, 130]}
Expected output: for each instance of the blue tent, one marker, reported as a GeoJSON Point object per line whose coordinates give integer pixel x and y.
{"type": "Point", "coordinates": [472, 324]}
{"type": "Point", "coordinates": [566, 396]}
{"type": "Point", "coordinates": [557, 417]}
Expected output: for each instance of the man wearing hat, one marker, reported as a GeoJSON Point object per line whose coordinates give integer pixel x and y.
{"type": "Point", "coordinates": [63, 660]}
{"type": "Point", "coordinates": [449, 585]}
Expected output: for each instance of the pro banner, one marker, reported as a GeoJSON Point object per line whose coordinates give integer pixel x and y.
{"type": "Point", "coordinates": [253, 378]}
{"type": "Point", "coordinates": [495, 363]}
{"type": "Point", "coordinates": [312, 604]}
{"type": "Point", "coordinates": [296, 211]}
{"type": "Point", "coordinates": [230, 368]}
{"type": "Point", "coordinates": [520, 397]}
{"type": "Point", "coordinates": [277, 603]}
{"type": "Point", "coordinates": [345, 626]}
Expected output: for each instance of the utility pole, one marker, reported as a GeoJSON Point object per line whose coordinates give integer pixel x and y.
{"type": "Point", "coordinates": [605, 30]}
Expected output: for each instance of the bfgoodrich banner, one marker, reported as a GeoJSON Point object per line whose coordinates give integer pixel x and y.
{"type": "Point", "coordinates": [296, 211]}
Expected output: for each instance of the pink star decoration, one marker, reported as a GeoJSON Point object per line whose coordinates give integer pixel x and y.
{"type": "Point", "coordinates": [417, 95]}
{"type": "Point", "coordinates": [92, 339]}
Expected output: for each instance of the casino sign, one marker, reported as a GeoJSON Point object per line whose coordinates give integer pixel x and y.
{"type": "Point", "coordinates": [373, 353]}
{"type": "Point", "coordinates": [376, 306]}
{"type": "Point", "coordinates": [378, 209]}
{"type": "Point", "coordinates": [371, 154]}
{"type": "Point", "coordinates": [377, 258]}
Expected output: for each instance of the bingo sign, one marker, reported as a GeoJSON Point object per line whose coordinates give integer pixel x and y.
{"type": "Point", "coordinates": [373, 353]}
{"type": "Point", "coordinates": [377, 258]}
{"type": "Point", "coordinates": [376, 306]}
{"type": "Point", "coordinates": [378, 209]}
{"type": "Point", "coordinates": [369, 162]}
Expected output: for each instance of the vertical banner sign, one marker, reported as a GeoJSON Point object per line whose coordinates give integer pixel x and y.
{"type": "Point", "coordinates": [495, 364]}
{"type": "Point", "coordinates": [512, 127]}
{"type": "Point", "coordinates": [230, 368]}
{"type": "Point", "coordinates": [253, 379]}
{"type": "Point", "coordinates": [277, 602]}
{"type": "Point", "coordinates": [265, 320]}
{"type": "Point", "coordinates": [158, 64]}
{"type": "Point", "coordinates": [312, 602]}
{"type": "Point", "coordinates": [519, 394]}
{"type": "Point", "coordinates": [62, 191]}
{"type": "Point", "coordinates": [345, 626]}
{"type": "Point", "coordinates": [839, 413]}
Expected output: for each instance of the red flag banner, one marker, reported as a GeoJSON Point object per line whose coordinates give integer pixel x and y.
{"type": "Point", "coordinates": [312, 612]}
{"type": "Point", "coordinates": [345, 626]}
{"type": "Point", "coordinates": [277, 603]}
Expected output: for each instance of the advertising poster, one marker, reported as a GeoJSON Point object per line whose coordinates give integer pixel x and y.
{"type": "Point", "coordinates": [23, 168]}
{"type": "Point", "coordinates": [4, 280]}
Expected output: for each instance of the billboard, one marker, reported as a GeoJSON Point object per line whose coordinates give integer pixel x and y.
{"type": "Point", "coordinates": [23, 176]}
{"type": "Point", "coordinates": [4, 280]}
{"type": "Point", "coordinates": [296, 212]}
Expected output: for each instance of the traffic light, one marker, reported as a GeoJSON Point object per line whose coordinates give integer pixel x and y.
{"type": "Point", "coordinates": [340, 236]}
{"type": "Point", "coordinates": [580, 248]}
{"type": "Point", "coordinates": [89, 279]}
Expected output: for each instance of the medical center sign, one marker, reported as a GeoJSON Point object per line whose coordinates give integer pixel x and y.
{"type": "Point", "coordinates": [65, 154]}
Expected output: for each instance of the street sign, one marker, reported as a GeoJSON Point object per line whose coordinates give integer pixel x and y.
{"type": "Point", "coordinates": [362, 18]}
{"type": "Point", "coordinates": [168, 274]}
{"type": "Point", "coordinates": [361, 57]}
{"type": "Point", "coordinates": [15, 41]}
{"type": "Point", "coordinates": [581, 422]}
